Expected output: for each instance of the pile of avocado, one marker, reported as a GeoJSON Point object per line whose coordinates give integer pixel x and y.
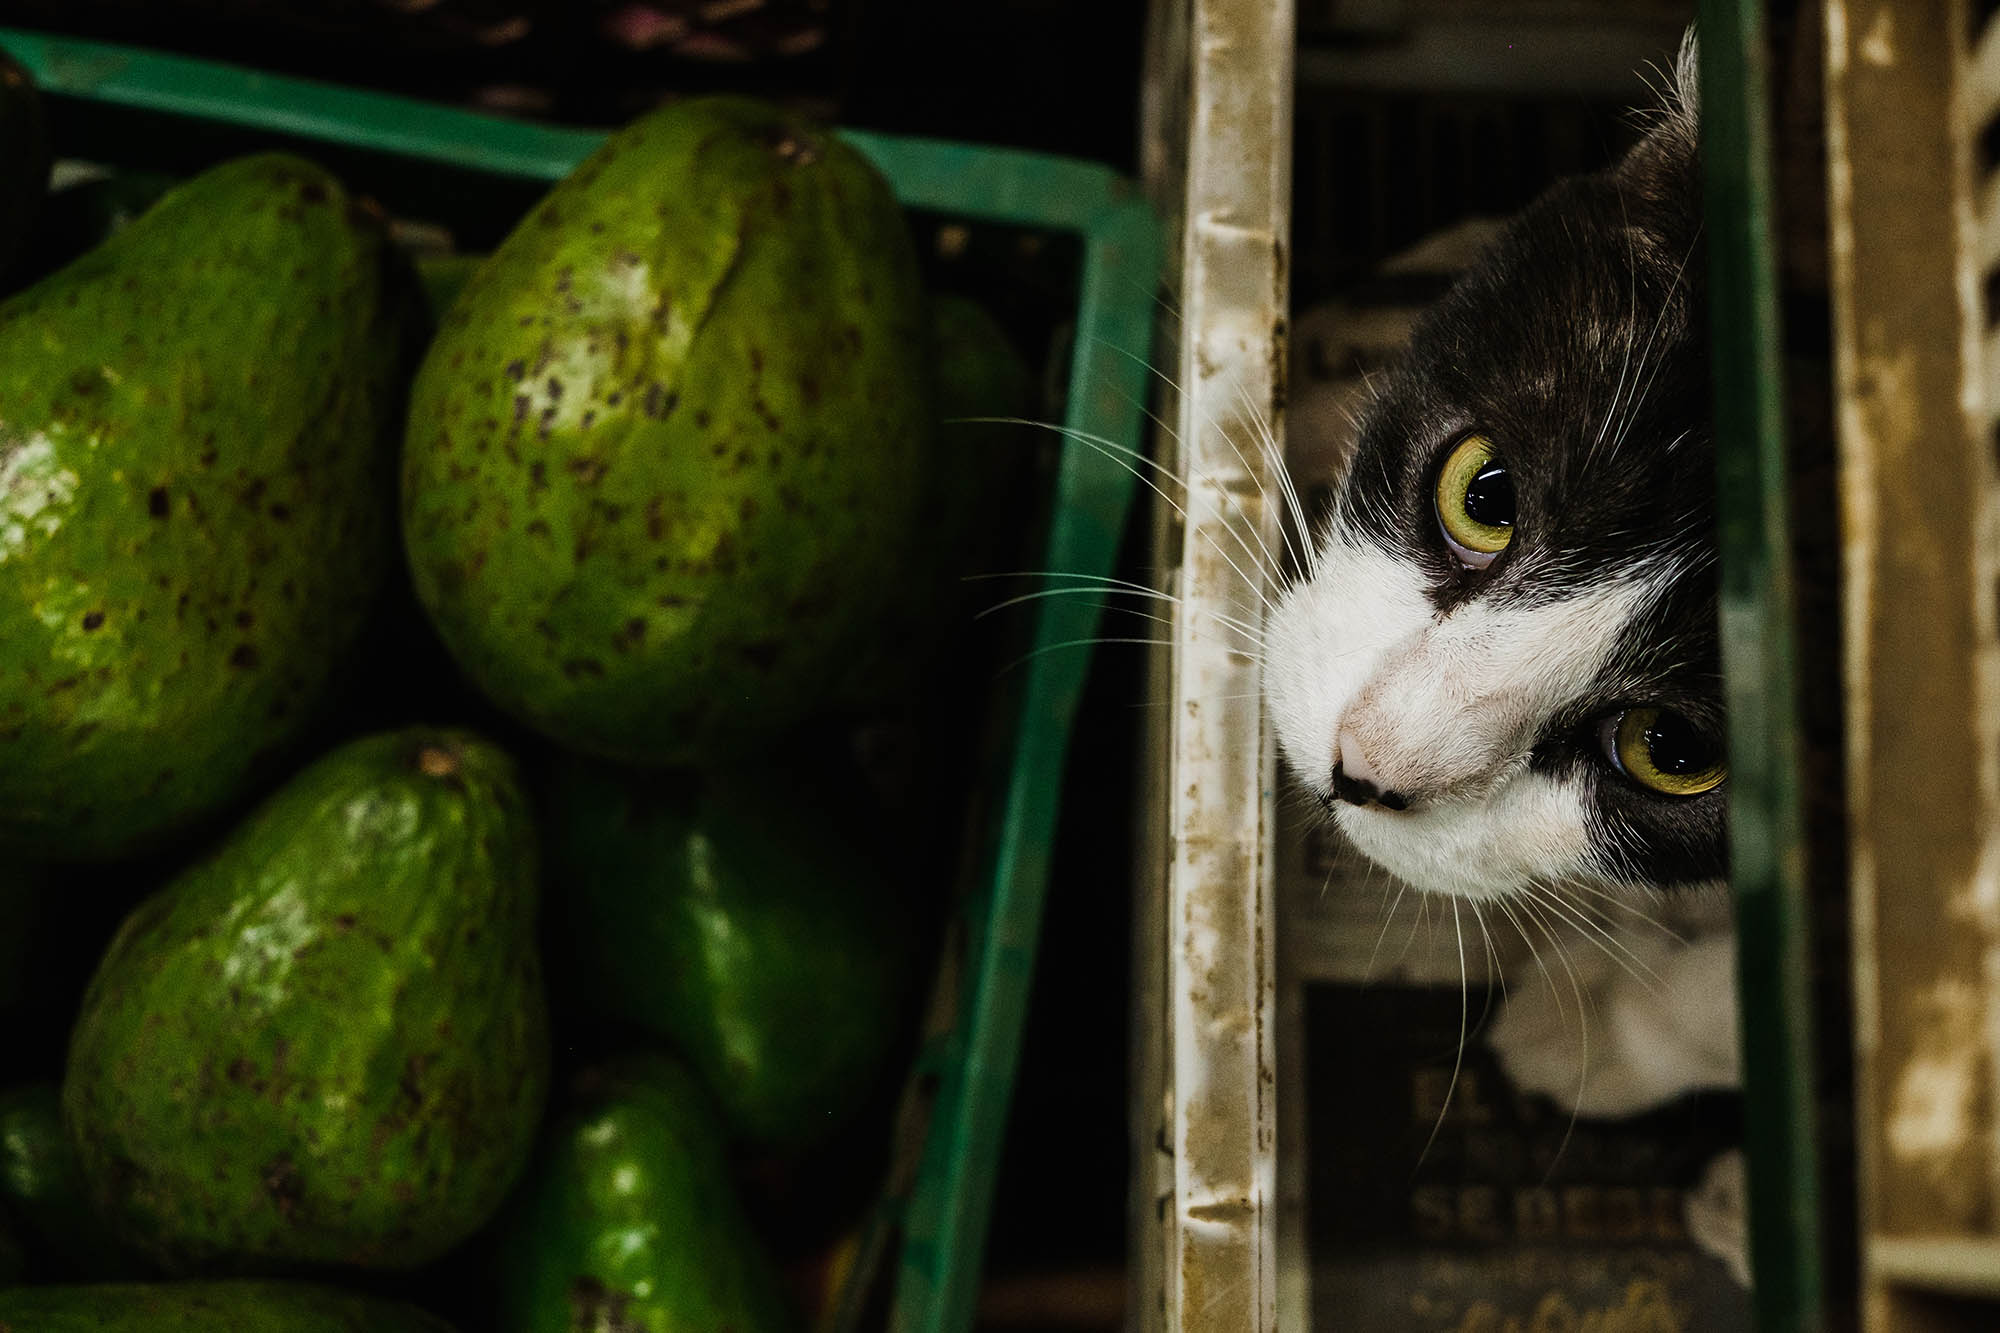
{"type": "Point", "coordinates": [449, 674]}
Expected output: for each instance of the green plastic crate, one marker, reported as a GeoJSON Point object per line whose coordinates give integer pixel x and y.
{"type": "Point", "coordinates": [943, 1227]}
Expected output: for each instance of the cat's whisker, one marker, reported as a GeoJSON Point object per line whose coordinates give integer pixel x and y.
{"type": "Point", "coordinates": [1203, 698]}
{"type": "Point", "coordinates": [1421, 920]}
{"type": "Point", "coordinates": [1368, 383]}
{"type": "Point", "coordinates": [1632, 909]}
{"type": "Point", "coordinates": [1326, 883]}
{"type": "Point", "coordinates": [1159, 295]}
{"type": "Point", "coordinates": [1030, 655]}
{"type": "Point", "coordinates": [1297, 800]}
{"type": "Point", "coordinates": [1289, 485]}
{"type": "Point", "coordinates": [1577, 990]}
{"type": "Point", "coordinates": [1257, 419]}
{"type": "Point", "coordinates": [1492, 954]}
{"type": "Point", "coordinates": [1353, 421]}
{"type": "Point", "coordinates": [1274, 457]}
{"type": "Point", "coordinates": [1536, 914]}
{"type": "Point", "coordinates": [1273, 561]}
{"type": "Point", "coordinates": [1276, 462]}
{"type": "Point", "coordinates": [1368, 974]}
{"type": "Point", "coordinates": [1121, 455]}
{"type": "Point", "coordinates": [1370, 872]}
{"type": "Point", "coordinates": [1153, 616]}
{"type": "Point", "coordinates": [1250, 408]}
{"type": "Point", "coordinates": [1614, 949]}
{"type": "Point", "coordinates": [1632, 407]}
{"type": "Point", "coordinates": [1583, 1053]}
{"type": "Point", "coordinates": [1064, 574]}
{"type": "Point", "coordinates": [1628, 855]}
{"type": "Point", "coordinates": [1103, 580]}
{"type": "Point", "coordinates": [1251, 633]}
{"type": "Point", "coordinates": [1507, 909]}
{"type": "Point", "coordinates": [1464, 1017]}
{"type": "Point", "coordinates": [1654, 78]}
{"type": "Point", "coordinates": [1618, 390]}
{"type": "Point", "coordinates": [1101, 590]}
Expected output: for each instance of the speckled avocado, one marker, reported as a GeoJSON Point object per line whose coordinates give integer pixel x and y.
{"type": "Point", "coordinates": [628, 1220]}
{"type": "Point", "coordinates": [206, 1307]}
{"type": "Point", "coordinates": [196, 502]}
{"type": "Point", "coordinates": [735, 915]}
{"type": "Point", "coordinates": [979, 374]}
{"type": "Point", "coordinates": [666, 452]}
{"type": "Point", "coordinates": [24, 157]}
{"type": "Point", "coordinates": [327, 1043]}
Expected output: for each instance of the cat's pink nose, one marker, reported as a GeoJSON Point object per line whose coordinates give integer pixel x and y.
{"type": "Point", "coordinates": [1351, 759]}
{"type": "Point", "coordinates": [1355, 780]}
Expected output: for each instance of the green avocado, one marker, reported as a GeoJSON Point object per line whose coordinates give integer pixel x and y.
{"type": "Point", "coordinates": [985, 390]}
{"type": "Point", "coordinates": [41, 1184]}
{"type": "Point", "coordinates": [24, 157]}
{"type": "Point", "coordinates": [206, 1307]}
{"type": "Point", "coordinates": [326, 1043]}
{"type": "Point", "coordinates": [666, 453]}
{"type": "Point", "coordinates": [983, 505]}
{"type": "Point", "coordinates": [196, 500]}
{"type": "Point", "coordinates": [980, 373]}
{"type": "Point", "coordinates": [629, 1221]}
{"type": "Point", "coordinates": [737, 916]}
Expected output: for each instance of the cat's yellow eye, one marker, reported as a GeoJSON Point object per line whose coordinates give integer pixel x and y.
{"type": "Point", "coordinates": [1475, 502]}
{"type": "Point", "coordinates": [1661, 749]}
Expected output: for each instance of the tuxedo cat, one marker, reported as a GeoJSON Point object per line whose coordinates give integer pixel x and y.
{"type": "Point", "coordinates": [1498, 670]}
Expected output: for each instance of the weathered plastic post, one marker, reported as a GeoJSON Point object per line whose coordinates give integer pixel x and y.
{"type": "Point", "coordinates": [1214, 1223]}
{"type": "Point", "coordinates": [1912, 102]}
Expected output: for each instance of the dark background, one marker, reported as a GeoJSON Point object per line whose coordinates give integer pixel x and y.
{"type": "Point", "coordinates": [1045, 74]}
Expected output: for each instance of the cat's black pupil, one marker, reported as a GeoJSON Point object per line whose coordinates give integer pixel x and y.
{"type": "Point", "coordinates": [1676, 748]}
{"type": "Point", "coordinates": [1490, 497]}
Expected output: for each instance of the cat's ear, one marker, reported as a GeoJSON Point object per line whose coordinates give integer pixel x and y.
{"type": "Point", "coordinates": [1660, 164]}
{"type": "Point", "coordinates": [1681, 116]}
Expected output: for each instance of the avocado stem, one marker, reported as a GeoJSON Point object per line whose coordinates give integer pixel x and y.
{"type": "Point", "coordinates": [436, 762]}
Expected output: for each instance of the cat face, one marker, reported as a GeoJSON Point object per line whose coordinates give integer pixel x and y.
{"type": "Point", "coordinates": [1501, 668]}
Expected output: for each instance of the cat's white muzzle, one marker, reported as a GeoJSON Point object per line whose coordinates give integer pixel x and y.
{"type": "Point", "coordinates": [1431, 717]}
